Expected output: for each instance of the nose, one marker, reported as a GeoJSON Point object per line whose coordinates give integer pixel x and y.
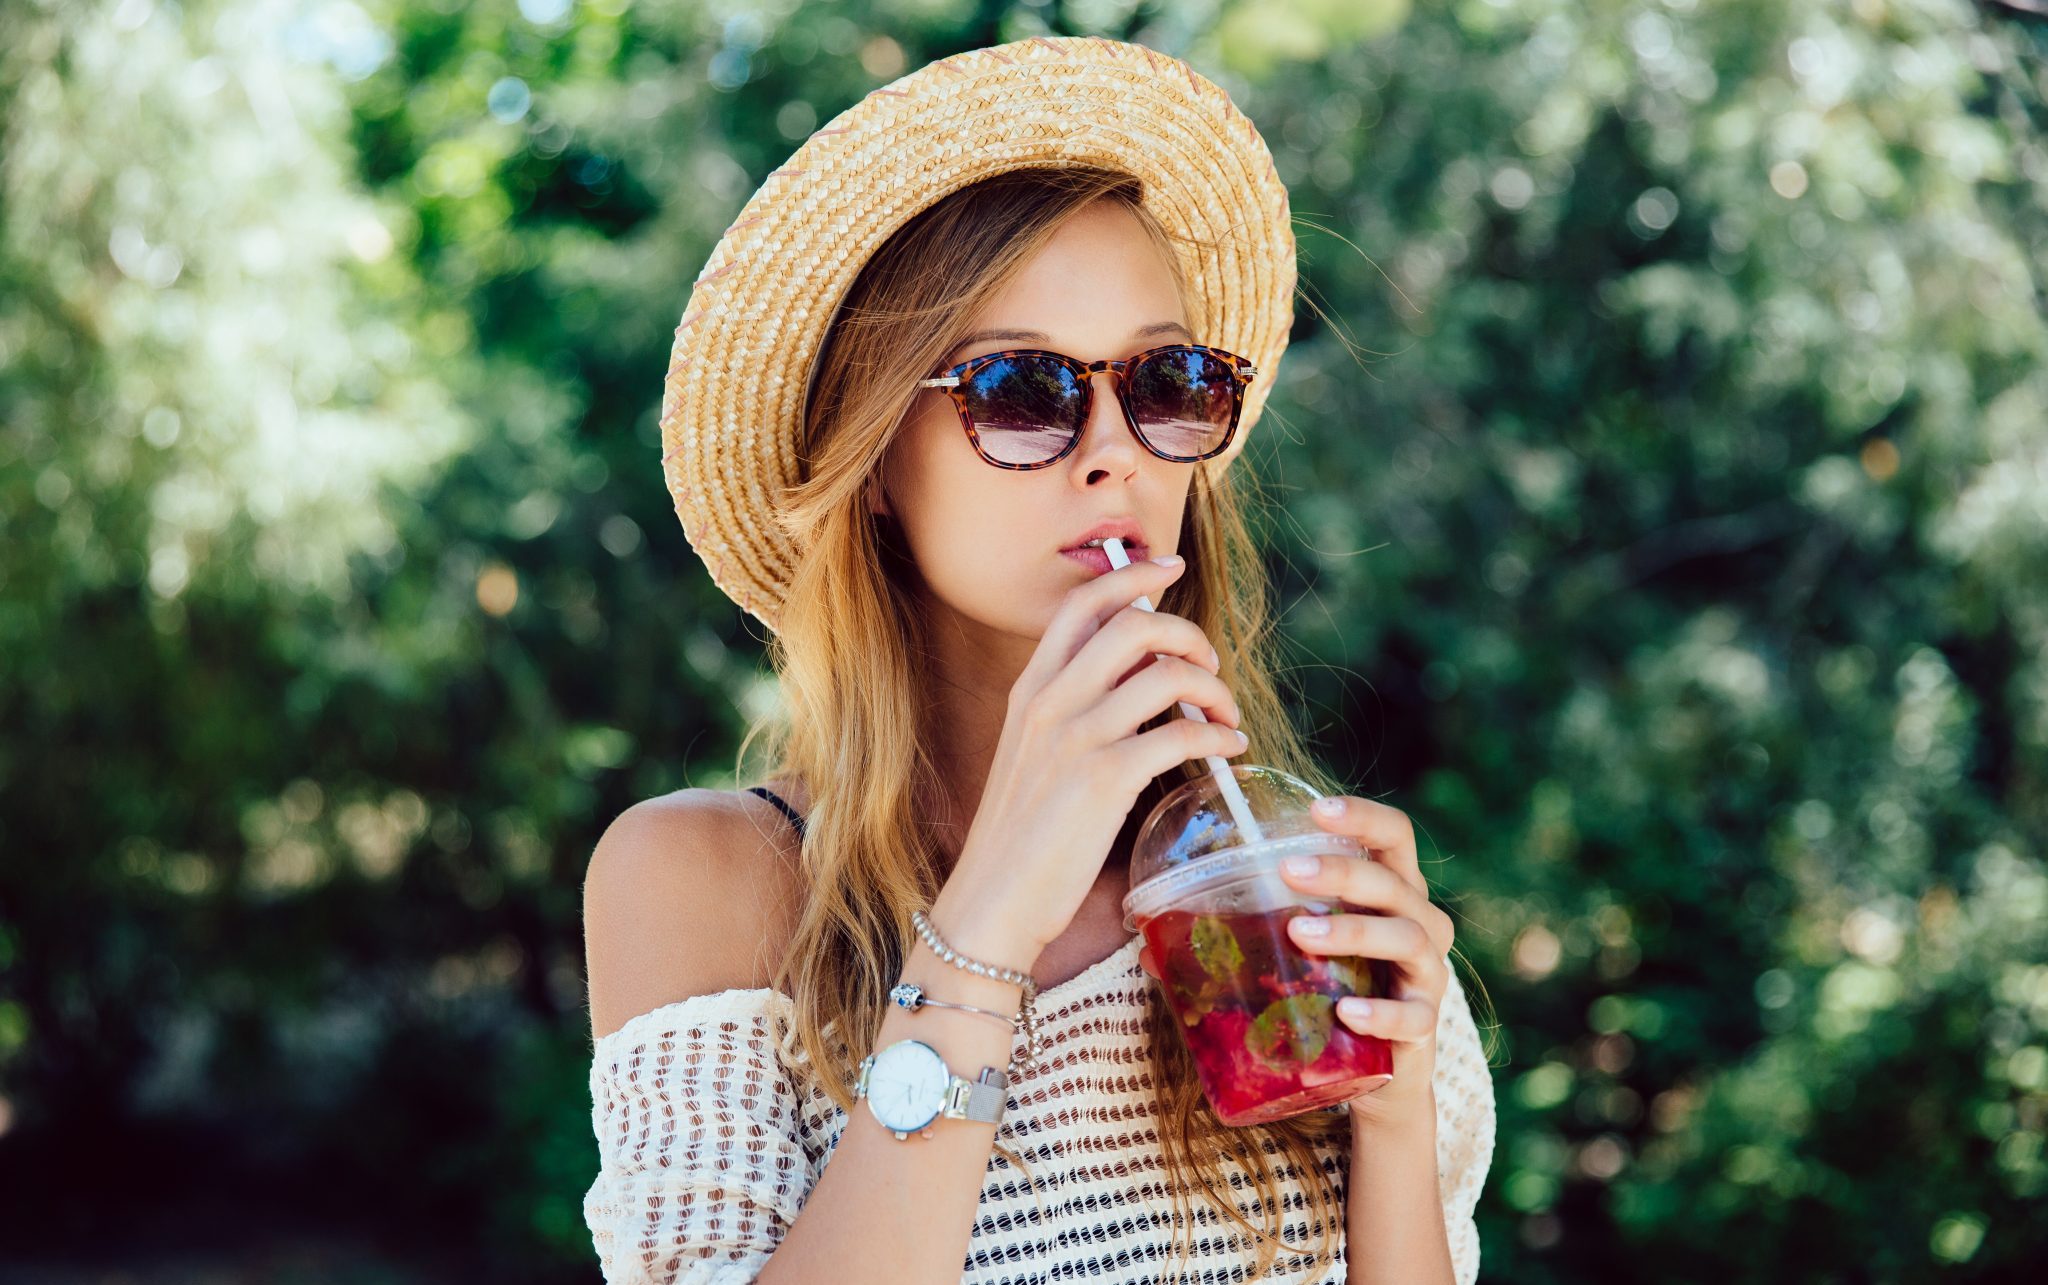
{"type": "Point", "coordinates": [1107, 439]}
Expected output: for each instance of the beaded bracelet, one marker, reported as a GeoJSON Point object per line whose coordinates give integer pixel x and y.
{"type": "Point", "coordinates": [1027, 1016]}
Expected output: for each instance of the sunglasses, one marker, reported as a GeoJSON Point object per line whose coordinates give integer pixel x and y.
{"type": "Point", "coordinates": [1024, 408]}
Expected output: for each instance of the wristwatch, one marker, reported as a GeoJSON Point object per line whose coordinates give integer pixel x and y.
{"type": "Point", "coordinates": [908, 1085]}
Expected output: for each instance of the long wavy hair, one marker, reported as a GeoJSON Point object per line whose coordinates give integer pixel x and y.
{"type": "Point", "coordinates": [852, 724]}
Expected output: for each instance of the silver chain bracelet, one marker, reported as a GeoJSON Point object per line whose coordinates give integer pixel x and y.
{"type": "Point", "coordinates": [911, 996]}
{"type": "Point", "coordinates": [1027, 1016]}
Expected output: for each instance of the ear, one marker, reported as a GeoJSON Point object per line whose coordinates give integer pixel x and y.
{"type": "Point", "coordinates": [878, 499]}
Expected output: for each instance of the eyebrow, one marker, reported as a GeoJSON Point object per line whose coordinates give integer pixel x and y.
{"type": "Point", "coordinates": [1039, 336]}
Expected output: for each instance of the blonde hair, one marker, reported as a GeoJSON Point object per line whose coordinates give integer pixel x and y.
{"type": "Point", "coordinates": [852, 725]}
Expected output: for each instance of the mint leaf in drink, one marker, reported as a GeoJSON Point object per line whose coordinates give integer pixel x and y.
{"type": "Point", "coordinates": [1216, 948]}
{"type": "Point", "coordinates": [1344, 970]}
{"type": "Point", "coordinates": [1194, 1001]}
{"type": "Point", "coordinates": [1292, 1031]}
{"type": "Point", "coordinates": [1355, 975]}
{"type": "Point", "coordinates": [1200, 1005]}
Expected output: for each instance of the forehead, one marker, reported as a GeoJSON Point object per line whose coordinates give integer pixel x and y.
{"type": "Point", "coordinates": [1098, 286]}
{"type": "Point", "coordinates": [1147, 336]}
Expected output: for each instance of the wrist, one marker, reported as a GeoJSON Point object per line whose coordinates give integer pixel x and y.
{"type": "Point", "coordinates": [943, 981]}
{"type": "Point", "coordinates": [984, 939]}
{"type": "Point", "coordinates": [1402, 1125]}
{"type": "Point", "coordinates": [965, 1040]}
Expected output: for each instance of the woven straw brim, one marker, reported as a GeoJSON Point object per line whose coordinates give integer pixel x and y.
{"type": "Point", "coordinates": [732, 404]}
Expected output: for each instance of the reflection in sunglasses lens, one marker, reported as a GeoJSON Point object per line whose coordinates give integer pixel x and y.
{"type": "Point", "coordinates": [1184, 401]}
{"type": "Point", "coordinates": [1027, 409]}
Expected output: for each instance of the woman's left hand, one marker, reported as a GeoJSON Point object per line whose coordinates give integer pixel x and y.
{"type": "Point", "coordinates": [1402, 925]}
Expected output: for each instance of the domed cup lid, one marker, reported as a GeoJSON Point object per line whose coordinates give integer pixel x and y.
{"type": "Point", "coordinates": [1191, 841]}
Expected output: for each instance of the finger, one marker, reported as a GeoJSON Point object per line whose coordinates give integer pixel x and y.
{"type": "Point", "coordinates": [1158, 689]}
{"type": "Point", "coordinates": [1133, 640]}
{"type": "Point", "coordinates": [1361, 881]}
{"type": "Point", "coordinates": [1410, 1020]}
{"type": "Point", "coordinates": [1137, 760]}
{"type": "Point", "coordinates": [1403, 941]}
{"type": "Point", "coordinates": [1085, 609]}
{"type": "Point", "coordinates": [1385, 830]}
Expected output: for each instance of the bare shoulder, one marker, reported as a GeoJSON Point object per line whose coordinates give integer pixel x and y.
{"type": "Point", "coordinates": [686, 894]}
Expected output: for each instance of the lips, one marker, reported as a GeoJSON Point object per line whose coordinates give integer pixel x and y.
{"type": "Point", "coordinates": [1124, 528]}
{"type": "Point", "coordinates": [1097, 559]}
{"type": "Point", "coordinates": [1133, 549]}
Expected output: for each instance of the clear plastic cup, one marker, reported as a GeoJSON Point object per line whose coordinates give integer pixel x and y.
{"type": "Point", "coordinates": [1257, 1012]}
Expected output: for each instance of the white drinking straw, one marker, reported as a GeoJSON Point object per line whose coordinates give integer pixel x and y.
{"type": "Point", "coordinates": [1219, 767]}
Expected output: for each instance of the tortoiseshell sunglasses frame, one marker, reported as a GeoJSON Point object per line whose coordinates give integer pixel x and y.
{"type": "Point", "coordinates": [951, 380]}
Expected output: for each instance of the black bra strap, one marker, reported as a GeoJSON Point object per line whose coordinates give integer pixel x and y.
{"type": "Point", "coordinates": [787, 810]}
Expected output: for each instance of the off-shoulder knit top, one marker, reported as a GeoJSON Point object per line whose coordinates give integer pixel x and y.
{"type": "Point", "coordinates": [708, 1146]}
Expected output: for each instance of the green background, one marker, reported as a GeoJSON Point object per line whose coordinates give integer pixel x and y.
{"type": "Point", "coordinates": [1661, 521]}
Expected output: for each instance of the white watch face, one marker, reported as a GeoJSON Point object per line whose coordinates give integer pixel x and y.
{"type": "Point", "coordinates": [907, 1085]}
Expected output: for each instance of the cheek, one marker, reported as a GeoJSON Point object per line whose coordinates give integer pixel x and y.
{"type": "Point", "coordinates": [980, 535]}
{"type": "Point", "coordinates": [994, 561]}
{"type": "Point", "coordinates": [961, 522]}
{"type": "Point", "coordinates": [973, 546]}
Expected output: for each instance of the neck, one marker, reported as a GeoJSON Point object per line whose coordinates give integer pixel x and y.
{"type": "Point", "coordinates": [970, 671]}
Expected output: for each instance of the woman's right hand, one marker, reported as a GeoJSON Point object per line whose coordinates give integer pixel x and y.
{"type": "Point", "coordinates": [1070, 763]}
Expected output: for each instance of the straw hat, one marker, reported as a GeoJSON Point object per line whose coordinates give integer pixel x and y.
{"type": "Point", "coordinates": [733, 402]}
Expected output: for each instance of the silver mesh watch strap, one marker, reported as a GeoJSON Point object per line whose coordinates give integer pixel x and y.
{"type": "Point", "coordinates": [986, 1096]}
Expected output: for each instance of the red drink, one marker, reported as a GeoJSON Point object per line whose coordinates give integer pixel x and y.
{"type": "Point", "coordinates": [1260, 1015]}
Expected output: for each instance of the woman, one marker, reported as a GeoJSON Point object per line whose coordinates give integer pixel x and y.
{"type": "Point", "coordinates": [976, 720]}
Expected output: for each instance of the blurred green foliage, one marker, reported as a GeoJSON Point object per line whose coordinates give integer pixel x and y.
{"type": "Point", "coordinates": [1665, 528]}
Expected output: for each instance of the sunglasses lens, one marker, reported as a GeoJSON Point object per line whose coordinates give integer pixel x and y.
{"type": "Point", "coordinates": [1025, 409]}
{"type": "Point", "coordinates": [1185, 402]}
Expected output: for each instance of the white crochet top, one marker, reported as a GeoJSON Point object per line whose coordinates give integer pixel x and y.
{"type": "Point", "coordinates": [707, 1147]}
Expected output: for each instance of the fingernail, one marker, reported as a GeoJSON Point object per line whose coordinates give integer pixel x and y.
{"type": "Point", "coordinates": [1168, 559]}
{"type": "Point", "coordinates": [1303, 865]}
{"type": "Point", "coordinates": [1354, 1008]}
{"type": "Point", "coordinates": [1242, 739]}
{"type": "Point", "coordinates": [1330, 806]}
{"type": "Point", "coordinates": [1311, 926]}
